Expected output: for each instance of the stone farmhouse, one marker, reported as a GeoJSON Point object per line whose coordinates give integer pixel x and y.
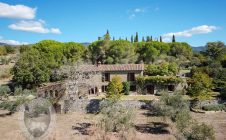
{"type": "Point", "coordinates": [127, 72]}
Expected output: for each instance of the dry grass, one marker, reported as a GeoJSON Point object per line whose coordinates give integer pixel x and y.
{"type": "Point", "coordinates": [68, 128]}
{"type": "Point", "coordinates": [217, 120]}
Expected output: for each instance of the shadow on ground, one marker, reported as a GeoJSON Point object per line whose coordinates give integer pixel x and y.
{"type": "Point", "coordinates": [153, 128]}
{"type": "Point", "coordinates": [82, 128]}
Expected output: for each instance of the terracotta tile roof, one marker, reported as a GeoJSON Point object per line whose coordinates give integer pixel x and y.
{"type": "Point", "coordinates": [113, 67]}
{"type": "Point", "coordinates": [121, 67]}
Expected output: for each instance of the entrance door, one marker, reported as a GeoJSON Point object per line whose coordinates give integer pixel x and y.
{"type": "Point", "coordinates": [150, 89]}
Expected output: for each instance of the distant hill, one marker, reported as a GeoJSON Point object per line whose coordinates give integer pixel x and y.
{"type": "Point", "coordinates": [86, 44]}
{"type": "Point", "coordinates": [198, 49]}
{"type": "Point", "coordinates": [3, 44]}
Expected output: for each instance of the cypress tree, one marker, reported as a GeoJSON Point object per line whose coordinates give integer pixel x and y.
{"type": "Point", "coordinates": [151, 39]}
{"type": "Point", "coordinates": [107, 36]}
{"type": "Point", "coordinates": [173, 39]}
{"type": "Point", "coordinates": [136, 38]}
{"type": "Point", "coordinates": [126, 39]}
{"type": "Point", "coordinates": [160, 38]}
{"type": "Point", "coordinates": [148, 39]}
{"type": "Point", "coordinates": [113, 38]}
{"type": "Point", "coordinates": [132, 39]}
{"type": "Point", "coordinates": [143, 40]}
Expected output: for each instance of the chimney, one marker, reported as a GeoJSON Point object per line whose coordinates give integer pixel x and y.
{"type": "Point", "coordinates": [98, 63]}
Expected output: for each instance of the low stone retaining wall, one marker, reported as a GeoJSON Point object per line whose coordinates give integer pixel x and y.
{"type": "Point", "coordinates": [93, 105]}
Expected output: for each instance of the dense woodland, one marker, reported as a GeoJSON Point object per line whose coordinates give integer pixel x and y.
{"type": "Point", "coordinates": [38, 63]}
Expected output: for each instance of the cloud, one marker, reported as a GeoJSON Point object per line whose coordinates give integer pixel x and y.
{"type": "Point", "coordinates": [34, 26]}
{"type": "Point", "coordinates": [12, 42]}
{"type": "Point", "coordinates": [132, 16]}
{"type": "Point", "coordinates": [139, 10]}
{"type": "Point", "coordinates": [17, 11]}
{"type": "Point", "coordinates": [203, 29]}
{"type": "Point", "coordinates": [133, 13]}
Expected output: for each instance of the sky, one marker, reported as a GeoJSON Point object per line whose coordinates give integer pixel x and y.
{"type": "Point", "coordinates": [194, 21]}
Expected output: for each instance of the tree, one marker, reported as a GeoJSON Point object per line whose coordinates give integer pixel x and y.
{"type": "Point", "coordinates": [160, 39]}
{"type": "Point", "coordinates": [143, 40]}
{"type": "Point", "coordinates": [31, 69]}
{"type": "Point", "coordinates": [73, 51]}
{"type": "Point", "coordinates": [131, 39]}
{"type": "Point", "coordinates": [180, 49]}
{"type": "Point", "coordinates": [173, 39]}
{"type": "Point", "coordinates": [113, 38]}
{"type": "Point", "coordinates": [96, 52]}
{"type": "Point", "coordinates": [115, 88]}
{"type": "Point", "coordinates": [173, 68]}
{"type": "Point", "coordinates": [200, 86]}
{"type": "Point", "coordinates": [148, 39]}
{"type": "Point", "coordinates": [107, 36]}
{"type": "Point", "coordinates": [215, 50]}
{"type": "Point", "coordinates": [136, 39]}
{"type": "Point", "coordinates": [120, 51]}
{"type": "Point", "coordinates": [151, 39]}
{"type": "Point", "coordinates": [147, 53]}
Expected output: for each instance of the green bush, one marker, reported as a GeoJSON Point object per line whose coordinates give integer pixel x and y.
{"type": "Point", "coordinates": [115, 88]}
{"type": "Point", "coordinates": [214, 107]}
{"type": "Point", "coordinates": [4, 90]}
{"type": "Point", "coordinates": [201, 132]}
{"type": "Point", "coordinates": [115, 117]}
{"type": "Point", "coordinates": [126, 87]}
{"type": "Point", "coordinates": [12, 105]}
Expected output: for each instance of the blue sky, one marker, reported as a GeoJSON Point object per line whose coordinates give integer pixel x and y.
{"type": "Point", "coordinates": [192, 21]}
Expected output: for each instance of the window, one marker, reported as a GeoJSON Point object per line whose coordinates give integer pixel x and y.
{"type": "Point", "coordinates": [104, 88]}
{"type": "Point", "coordinates": [130, 77]}
{"type": "Point", "coordinates": [106, 77]}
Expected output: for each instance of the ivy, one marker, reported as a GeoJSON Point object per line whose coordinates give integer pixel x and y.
{"type": "Point", "coordinates": [159, 79]}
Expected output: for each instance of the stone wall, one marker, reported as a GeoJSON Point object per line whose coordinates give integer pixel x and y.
{"type": "Point", "coordinates": [93, 105]}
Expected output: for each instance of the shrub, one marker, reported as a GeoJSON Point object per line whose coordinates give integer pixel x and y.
{"type": "Point", "coordinates": [4, 90]}
{"type": "Point", "coordinates": [201, 132]}
{"type": "Point", "coordinates": [116, 118]}
{"type": "Point", "coordinates": [12, 105]}
{"type": "Point", "coordinates": [9, 49]}
{"type": "Point", "coordinates": [114, 88]}
{"type": "Point", "coordinates": [126, 87]}
{"type": "Point", "coordinates": [18, 91]}
{"type": "Point", "coordinates": [214, 107]}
